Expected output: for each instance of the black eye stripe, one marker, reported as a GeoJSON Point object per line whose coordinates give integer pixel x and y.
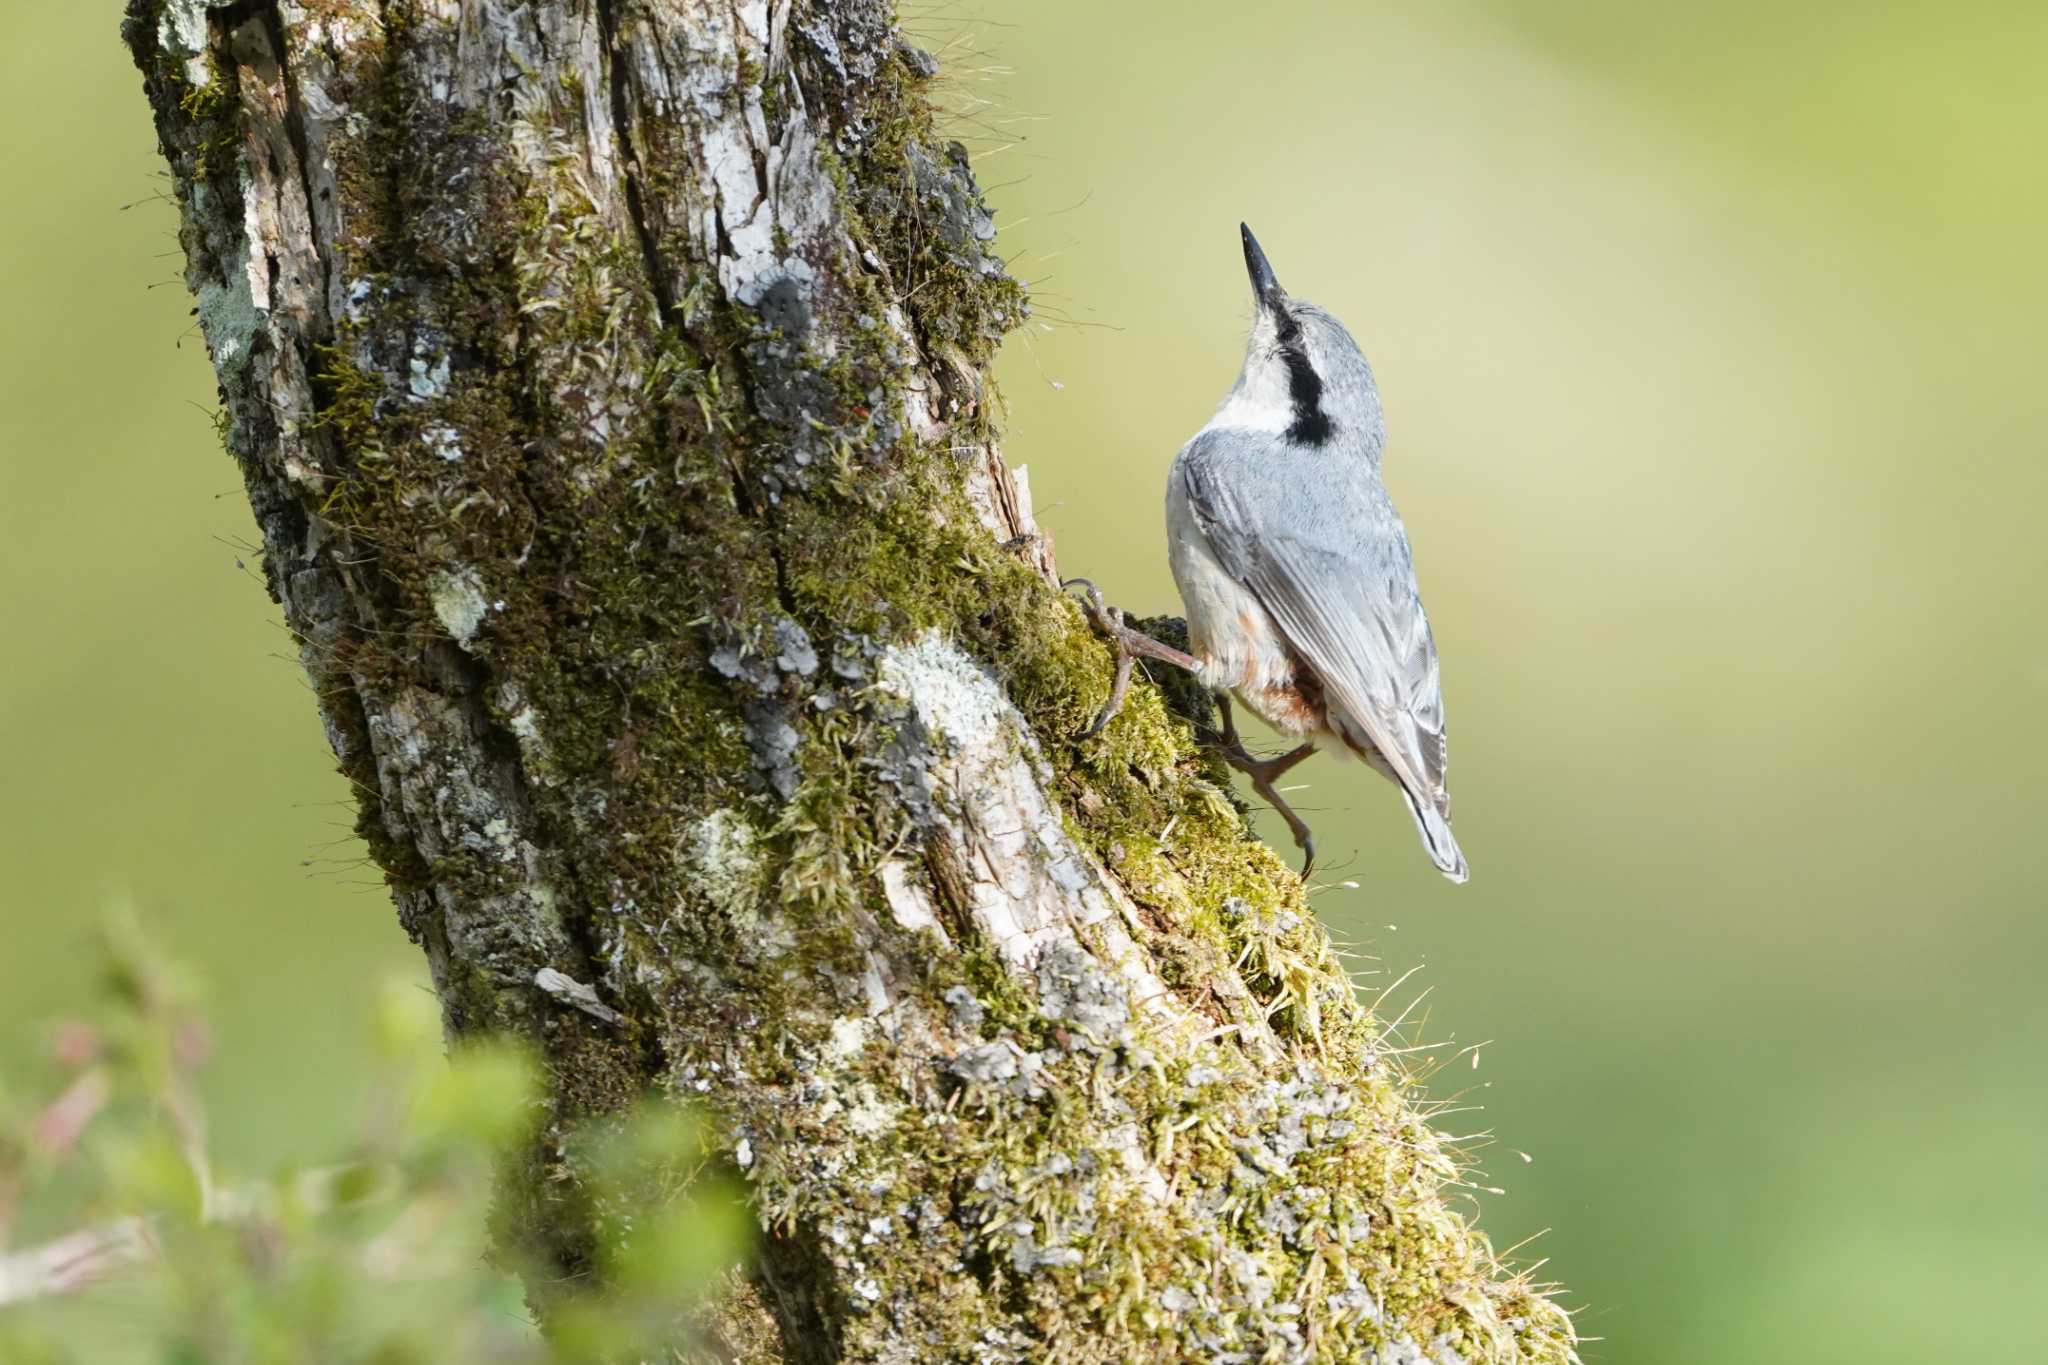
{"type": "Point", "coordinates": [1304, 385]}
{"type": "Point", "coordinates": [1311, 426]}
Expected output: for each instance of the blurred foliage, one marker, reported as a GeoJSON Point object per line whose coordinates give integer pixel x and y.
{"type": "Point", "coordinates": [378, 1257]}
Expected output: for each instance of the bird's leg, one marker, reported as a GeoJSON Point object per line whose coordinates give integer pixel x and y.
{"type": "Point", "coordinates": [1228, 714]}
{"type": "Point", "coordinates": [1130, 645]}
{"type": "Point", "coordinates": [1264, 772]}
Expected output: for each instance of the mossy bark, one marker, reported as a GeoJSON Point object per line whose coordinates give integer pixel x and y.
{"type": "Point", "coordinates": [609, 379]}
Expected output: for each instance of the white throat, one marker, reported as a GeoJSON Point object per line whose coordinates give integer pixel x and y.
{"type": "Point", "coordinates": [1260, 402]}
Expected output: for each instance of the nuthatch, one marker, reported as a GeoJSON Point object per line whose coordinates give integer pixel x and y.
{"type": "Point", "coordinates": [1295, 570]}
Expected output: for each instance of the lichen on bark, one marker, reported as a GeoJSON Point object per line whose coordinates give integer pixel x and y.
{"type": "Point", "coordinates": [609, 380]}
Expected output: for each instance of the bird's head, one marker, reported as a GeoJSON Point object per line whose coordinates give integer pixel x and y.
{"type": "Point", "coordinates": [1304, 377]}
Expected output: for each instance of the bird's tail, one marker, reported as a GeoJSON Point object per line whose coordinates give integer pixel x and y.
{"type": "Point", "coordinates": [1438, 839]}
{"type": "Point", "coordinates": [1433, 824]}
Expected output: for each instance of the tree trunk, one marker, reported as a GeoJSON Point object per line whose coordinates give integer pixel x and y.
{"type": "Point", "coordinates": [609, 379]}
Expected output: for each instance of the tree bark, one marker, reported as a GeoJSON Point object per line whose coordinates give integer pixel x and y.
{"type": "Point", "coordinates": [609, 380]}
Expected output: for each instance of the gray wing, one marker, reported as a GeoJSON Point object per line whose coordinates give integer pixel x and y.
{"type": "Point", "coordinates": [1313, 535]}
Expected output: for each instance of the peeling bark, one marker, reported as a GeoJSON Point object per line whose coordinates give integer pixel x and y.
{"type": "Point", "coordinates": [609, 383]}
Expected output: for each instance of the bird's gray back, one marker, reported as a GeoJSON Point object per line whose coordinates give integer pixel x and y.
{"type": "Point", "coordinates": [1310, 531]}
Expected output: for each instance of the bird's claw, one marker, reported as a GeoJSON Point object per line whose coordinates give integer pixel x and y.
{"type": "Point", "coordinates": [1264, 772]}
{"type": "Point", "coordinates": [1130, 646]}
{"type": "Point", "coordinates": [1117, 691]}
{"type": "Point", "coordinates": [1105, 618]}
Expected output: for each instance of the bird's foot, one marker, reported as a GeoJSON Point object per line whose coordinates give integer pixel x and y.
{"type": "Point", "coordinates": [1264, 772]}
{"type": "Point", "coordinates": [1130, 645]}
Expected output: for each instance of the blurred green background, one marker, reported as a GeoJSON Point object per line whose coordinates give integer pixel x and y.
{"type": "Point", "coordinates": [1709, 339]}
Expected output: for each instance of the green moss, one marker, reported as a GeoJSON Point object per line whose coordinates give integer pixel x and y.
{"type": "Point", "coordinates": [1007, 1008]}
{"type": "Point", "coordinates": [211, 111]}
{"type": "Point", "coordinates": [958, 307]}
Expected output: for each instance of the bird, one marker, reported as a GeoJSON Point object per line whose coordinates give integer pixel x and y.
{"type": "Point", "coordinates": [1296, 573]}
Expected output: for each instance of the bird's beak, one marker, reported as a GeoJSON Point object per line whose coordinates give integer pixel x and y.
{"type": "Point", "coordinates": [1264, 286]}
